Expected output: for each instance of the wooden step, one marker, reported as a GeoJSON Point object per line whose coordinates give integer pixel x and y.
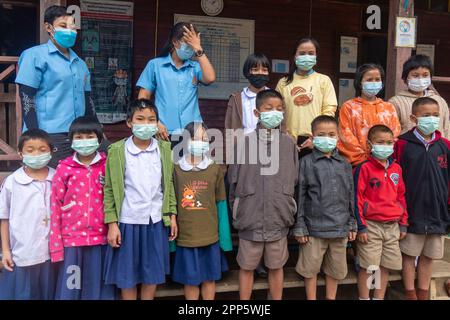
{"type": "Point", "coordinates": [230, 281]}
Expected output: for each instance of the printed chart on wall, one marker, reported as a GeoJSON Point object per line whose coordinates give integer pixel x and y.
{"type": "Point", "coordinates": [107, 49]}
{"type": "Point", "coordinates": [227, 43]}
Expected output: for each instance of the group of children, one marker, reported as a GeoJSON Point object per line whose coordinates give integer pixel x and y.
{"type": "Point", "coordinates": [102, 223]}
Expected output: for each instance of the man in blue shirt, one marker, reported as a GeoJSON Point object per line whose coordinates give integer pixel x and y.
{"type": "Point", "coordinates": [54, 83]}
{"type": "Point", "coordinates": [173, 78]}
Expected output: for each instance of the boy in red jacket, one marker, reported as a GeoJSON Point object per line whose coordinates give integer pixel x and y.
{"type": "Point", "coordinates": [381, 213]}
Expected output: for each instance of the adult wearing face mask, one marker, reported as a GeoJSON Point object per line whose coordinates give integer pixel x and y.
{"type": "Point", "coordinates": [54, 83]}
{"type": "Point", "coordinates": [173, 79]}
{"type": "Point", "coordinates": [417, 73]}
{"type": "Point", "coordinates": [307, 93]}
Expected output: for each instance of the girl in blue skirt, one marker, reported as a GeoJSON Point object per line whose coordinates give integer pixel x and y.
{"type": "Point", "coordinates": [204, 230]}
{"type": "Point", "coordinates": [139, 206]}
{"type": "Point", "coordinates": [25, 223]}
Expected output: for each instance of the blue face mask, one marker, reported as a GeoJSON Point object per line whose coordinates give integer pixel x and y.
{"type": "Point", "coordinates": [325, 144]}
{"type": "Point", "coordinates": [198, 148]}
{"type": "Point", "coordinates": [37, 162]}
{"type": "Point", "coordinates": [305, 62]}
{"type": "Point", "coordinates": [185, 52]}
{"type": "Point", "coordinates": [144, 131]}
{"type": "Point", "coordinates": [85, 147]}
{"type": "Point", "coordinates": [428, 125]}
{"type": "Point", "coordinates": [371, 89]}
{"type": "Point", "coordinates": [382, 151]}
{"type": "Point", "coordinates": [65, 37]}
{"type": "Point", "coordinates": [271, 119]}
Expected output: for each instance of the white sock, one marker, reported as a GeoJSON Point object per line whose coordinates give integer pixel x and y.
{"type": "Point", "coordinates": [377, 299]}
{"type": "Point", "coordinates": [364, 299]}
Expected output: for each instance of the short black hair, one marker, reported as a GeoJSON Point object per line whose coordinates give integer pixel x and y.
{"type": "Point", "coordinates": [54, 12]}
{"type": "Point", "coordinates": [421, 102]}
{"type": "Point", "coordinates": [86, 124]}
{"type": "Point", "coordinates": [360, 74]}
{"type": "Point", "coordinates": [35, 134]}
{"type": "Point", "coordinates": [415, 62]}
{"type": "Point", "coordinates": [322, 119]}
{"type": "Point", "coordinates": [140, 104]}
{"type": "Point", "coordinates": [266, 94]}
{"type": "Point", "coordinates": [192, 127]}
{"type": "Point", "coordinates": [378, 128]}
{"type": "Point", "coordinates": [254, 61]}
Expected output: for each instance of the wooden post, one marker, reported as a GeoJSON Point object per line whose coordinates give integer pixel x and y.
{"type": "Point", "coordinates": [396, 56]}
{"type": "Point", "coordinates": [44, 4]}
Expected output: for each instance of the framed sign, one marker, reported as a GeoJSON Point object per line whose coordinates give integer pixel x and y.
{"type": "Point", "coordinates": [405, 32]}
{"type": "Point", "coordinates": [348, 54]}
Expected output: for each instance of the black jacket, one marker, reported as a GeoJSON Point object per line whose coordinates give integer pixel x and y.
{"type": "Point", "coordinates": [426, 176]}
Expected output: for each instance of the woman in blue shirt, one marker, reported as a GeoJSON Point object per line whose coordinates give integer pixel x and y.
{"type": "Point", "coordinates": [54, 83]}
{"type": "Point", "coordinates": [173, 78]}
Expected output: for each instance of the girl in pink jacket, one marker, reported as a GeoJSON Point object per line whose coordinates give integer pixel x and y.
{"type": "Point", "coordinates": [78, 236]}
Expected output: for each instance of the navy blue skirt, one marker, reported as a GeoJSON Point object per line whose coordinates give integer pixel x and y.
{"type": "Point", "coordinates": [36, 282]}
{"type": "Point", "coordinates": [81, 275]}
{"type": "Point", "coordinates": [193, 266]}
{"type": "Point", "coordinates": [143, 257]}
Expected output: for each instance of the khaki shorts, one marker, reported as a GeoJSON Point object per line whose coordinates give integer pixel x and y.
{"type": "Point", "coordinates": [382, 248]}
{"type": "Point", "coordinates": [430, 245]}
{"type": "Point", "coordinates": [250, 253]}
{"type": "Point", "coordinates": [329, 253]}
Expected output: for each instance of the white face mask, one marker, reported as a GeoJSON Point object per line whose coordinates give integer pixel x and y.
{"type": "Point", "coordinates": [419, 84]}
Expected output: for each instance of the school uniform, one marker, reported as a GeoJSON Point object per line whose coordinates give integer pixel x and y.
{"type": "Point", "coordinates": [139, 195]}
{"type": "Point", "coordinates": [199, 190]}
{"type": "Point", "coordinates": [78, 234]}
{"type": "Point", "coordinates": [25, 203]}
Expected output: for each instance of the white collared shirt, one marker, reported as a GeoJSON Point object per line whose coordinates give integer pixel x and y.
{"type": "Point", "coordinates": [96, 159]}
{"type": "Point", "coordinates": [25, 202]}
{"type": "Point", "coordinates": [249, 120]}
{"type": "Point", "coordinates": [422, 139]}
{"type": "Point", "coordinates": [143, 192]}
{"type": "Point", "coordinates": [202, 165]}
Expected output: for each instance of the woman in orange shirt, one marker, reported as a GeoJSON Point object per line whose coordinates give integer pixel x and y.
{"type": "Point", "coordinates": [358, 115]}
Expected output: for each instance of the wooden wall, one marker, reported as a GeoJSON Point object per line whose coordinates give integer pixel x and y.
{"type": "Point", "coordinates": [278, 26]}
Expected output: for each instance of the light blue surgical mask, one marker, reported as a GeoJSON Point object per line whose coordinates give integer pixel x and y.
{"type": "Point", "coordinates": [37, 162]}
{"type": "Point", "coordinates": [371, 89]}
{"type": "Point", "coordinates": [419, 84]}
{"type": "Point", "coordinates": [198, 148]}
{"type": "Point", "coordinates": [382, 151]}
{"type": "Point", "coordinates": [185, 52]}
{"type": "Point", "coordinates": [305, 62]}
{"type": "Point", "coordinates": [145, 131]}
{"type": "Point", "coordinates": [324, 144]}
{"type": "Point", "coordinates": [85, 147]}
{"type": "Point", "coordinates": [428, 125]}
{"type": "Point", "coordinates": [65, 37]}
{"type": "Point", "coordinates": [271, 119]}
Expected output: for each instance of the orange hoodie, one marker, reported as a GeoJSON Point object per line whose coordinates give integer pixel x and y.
{"type": "Point", "coordinates": [356, 117]}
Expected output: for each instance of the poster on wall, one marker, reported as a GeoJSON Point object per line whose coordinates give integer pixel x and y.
{"type": "Point", "coordinates": [346, 90]}
{"type": "Point", "coordinates": [227, 43]}
{"type": "Point", "coordinates": [405, 32]}
{"type": "Point", "coordinates": [349, 54]}
{"type": "Point", "coordinates": [107, 48]}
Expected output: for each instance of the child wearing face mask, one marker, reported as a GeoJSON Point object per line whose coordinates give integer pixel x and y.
{"type": "Point", "coordinates": [140, 206]}
{"type": "Point", "coordinates": [417, 73]}
{"type": "Point", "coordinates": [78, 232]}
{"type": "Point", "coordinates": [423, 154]}
{"type": "Point", "coordinates": [381, 212]}
{"type": "Point", "coordinates": [358, 115]}
{"type": "Point", "coordinates": [241, 106]}
{"type": "Point", "coordinates": [325, 214]}
{"type": "Point", "coordinates": [25, 223]}
{"type": "Point", "coordinates": [262, 195]}
{"type": "Point", "coordinates": [202, 218]}
{"type": "Point", "coordinates": [307, 94]}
